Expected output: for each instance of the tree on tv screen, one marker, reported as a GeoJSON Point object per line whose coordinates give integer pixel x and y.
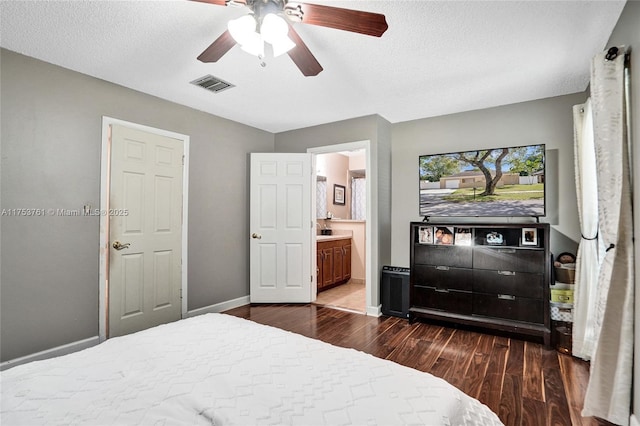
{"type": "Point", "coordinates": [482, 160]}
{"type": "Point", "coordinates": [433, 168]}
{"type": "Point", "coordinates": [526, 160]}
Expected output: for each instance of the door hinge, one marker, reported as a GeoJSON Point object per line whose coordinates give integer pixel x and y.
{"type": "Point", "coordinates": [183, 160]}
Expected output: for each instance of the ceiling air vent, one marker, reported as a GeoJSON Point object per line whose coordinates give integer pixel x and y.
{"type": "Point", "coordinates": [211, 83]}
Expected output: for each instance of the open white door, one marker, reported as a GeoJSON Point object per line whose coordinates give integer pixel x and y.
{"type": "Point", "coordinates": [280, 228]}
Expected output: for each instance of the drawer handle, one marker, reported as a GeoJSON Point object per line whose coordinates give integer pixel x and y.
{"type": "Point", "coordinates": [442, 290]}
{"type": "Point", "coordinates": [428, 287]}
{"type": "Point", "coordinates": [507, 251]}
{"type": "Point", "coordinates": [506, 297]}
{"type": "Point", "coordinates": [509, 273]}
{"type": "Point", "coordinates": [442, 268]}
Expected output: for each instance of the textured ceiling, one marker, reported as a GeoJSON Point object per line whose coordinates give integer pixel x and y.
{"type": "Point", "coordinates": [437, 57]}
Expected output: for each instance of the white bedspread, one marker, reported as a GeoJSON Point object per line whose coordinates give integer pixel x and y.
{"type": "Point", "coordinates": [222, 370]}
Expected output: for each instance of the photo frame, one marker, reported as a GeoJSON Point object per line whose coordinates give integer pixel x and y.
{"type": "Point", "coordinates": [425, 235]}
{"type": "Point", "coordinates": [463, 237]}
{"type": "Point", "coordinates": [338, 194]}
{"type": "Point", "coordinates": [529, 237]}
{"type": "Point", "coordinates": [443, 235]}
{"type": "Point", "coordinates": [495, 238]}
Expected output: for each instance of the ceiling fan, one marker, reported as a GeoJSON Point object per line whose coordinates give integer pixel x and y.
{"type": "Point", "coordinates": [270, 21]}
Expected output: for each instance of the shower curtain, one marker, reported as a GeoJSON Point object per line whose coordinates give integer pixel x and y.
{"type": "Point", "coordinates": [608, 393]}
{"type": "Point", "coordinates": [321, 199]}
{"type": "Point", "coordinates": [358, 199]}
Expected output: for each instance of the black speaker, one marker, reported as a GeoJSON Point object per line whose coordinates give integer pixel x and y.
{"type": "Point", "coordinates": [394, 287]}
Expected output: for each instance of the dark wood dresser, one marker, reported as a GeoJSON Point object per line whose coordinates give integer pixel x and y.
{"type": "Point", "coordinates": [494, 276]}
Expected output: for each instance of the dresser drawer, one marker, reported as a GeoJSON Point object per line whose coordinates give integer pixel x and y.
{"type": "Point", "coordinates": [508, 307]}
{"type": "Point", "coordinates": [509, 259]}
{"type": "Point", "coordinates": [457, 256]}
{"type": "Point", "coordinates": [445, 300]}
{"type": "Point", "coordinates": [509, 282]}
{"type": "Point", "coordinates": [443, 277]}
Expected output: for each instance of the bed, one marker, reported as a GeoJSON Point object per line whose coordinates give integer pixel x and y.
{"type": "Point", "coordinates": [223, 370]}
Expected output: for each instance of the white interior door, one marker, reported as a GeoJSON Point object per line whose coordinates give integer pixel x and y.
{"type": "Point", "coordinates": [281, 227]}
{"type": "Point", "coordinates": [145, 230]}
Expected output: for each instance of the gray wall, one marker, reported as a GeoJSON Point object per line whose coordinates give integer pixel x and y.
{"type": "Point", "coordinates": [627, 32]}
{"type": "Point", "coordinates": [548, 121]}
{"type": "Point", "coordinates": [352, 130]}
{"type": "Point", "coordinates": [384, 190]}
{"type": "Point", "coordinates": [51, 139]}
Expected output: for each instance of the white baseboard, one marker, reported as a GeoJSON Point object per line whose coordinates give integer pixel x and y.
{"type": "Point", "coordinates": [52, 353]}
{"type": "Point", "coordinates": [374, 311]}
{"type": "Point", "coordinates": [219, 307]}
{"type": "Point", "coordinates": [634, 421]}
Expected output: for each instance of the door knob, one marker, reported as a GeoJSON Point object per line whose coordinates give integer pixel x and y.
{"type": "Point", "coordinates": [119, 246]}
{"type": "Point", "coordinates": [256, 236]}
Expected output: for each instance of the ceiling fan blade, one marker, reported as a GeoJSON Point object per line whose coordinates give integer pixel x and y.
{"type": "Point", "coordinates": [221, 2]}
{"type": "Point", "coordinates": [357, 21]}
{"type": "Point", "coordinates": [218, 48]}
{"type": "Point", "coordinates": [302, 56]}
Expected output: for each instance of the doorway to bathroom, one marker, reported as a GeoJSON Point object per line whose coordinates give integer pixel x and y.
{"type": "Point", "coordinates": [341, 215]}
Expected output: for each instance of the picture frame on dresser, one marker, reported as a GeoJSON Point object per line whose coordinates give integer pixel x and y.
{"type": "Point", "coordinates": [462, 236]}
{"type": "Point", "coordinates": [443, 235]}
{"type": "Point", "coordinates": [529, 237]}
{"type": "Point", "coordinates": [495, 238]}
{"type": "Point", "coordinates": [425, 235]}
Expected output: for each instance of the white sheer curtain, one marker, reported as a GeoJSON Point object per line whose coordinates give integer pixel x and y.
{"type": "Point", "coordinates": [588, 259]}
{"type": "Point", "coordinates": [358, 199]}
{"type": "Point", "coordinates": [608, 393]}
{"type": "Point", "coordinates": [321, 199]}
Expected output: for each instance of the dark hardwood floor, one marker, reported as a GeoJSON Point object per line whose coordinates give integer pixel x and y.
{"type": "Point", "coordinates": [523, 382]}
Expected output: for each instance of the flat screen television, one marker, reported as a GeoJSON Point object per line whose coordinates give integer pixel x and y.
{"type": "Point", "coordinates": [489, 182]}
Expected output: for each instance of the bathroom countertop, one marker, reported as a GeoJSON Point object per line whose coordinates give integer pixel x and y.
{"type": "Point", "coordinates": [332, 237]}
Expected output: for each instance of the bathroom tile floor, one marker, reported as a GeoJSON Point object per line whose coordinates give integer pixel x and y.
{"type": "Point", "coordinates": [350, 296]}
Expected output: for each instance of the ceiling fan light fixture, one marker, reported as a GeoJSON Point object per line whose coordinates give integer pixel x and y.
{"type": "Point", "coordinates": [266, 23]}
{"type": "Point", "coordinates": [282, 46]}
{"type": "Point", "coordinates": [242, 29]}
{"type": "Point", "coordinates": [253, 44]}
{"type": "Point", "coordinates": [273, 27]}
{"type": "Point", "coordinates": [274, 30]}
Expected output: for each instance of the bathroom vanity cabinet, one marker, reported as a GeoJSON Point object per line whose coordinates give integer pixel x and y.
{"type": "Point", "coordinates": [333, 261]}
